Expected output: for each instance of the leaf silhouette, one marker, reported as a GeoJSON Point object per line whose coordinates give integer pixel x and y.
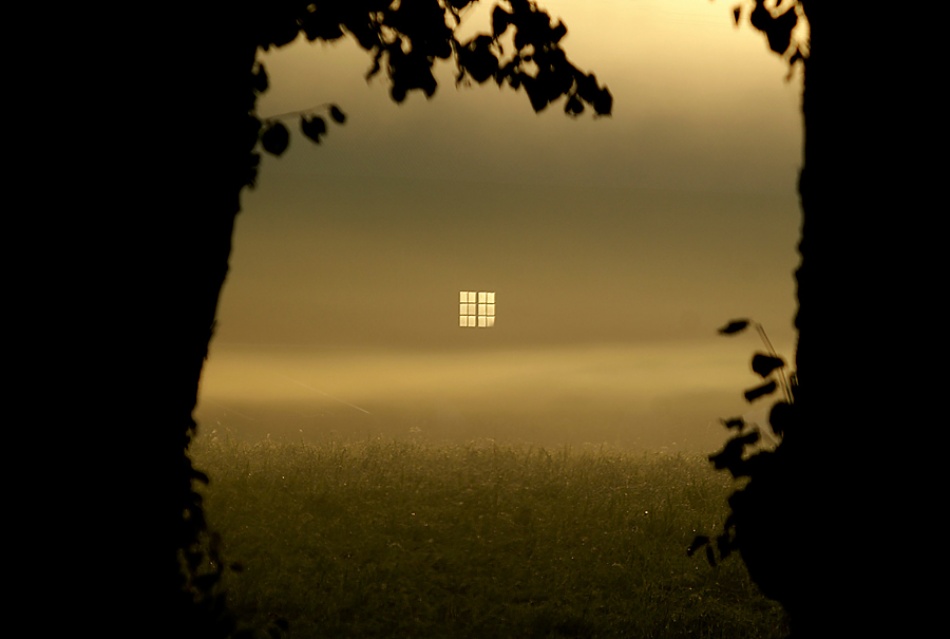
{"type": "Point", "coordinates": [781, 417]}
{"type": "Point", "coordinates": [313, 127]}
{"type": "Point", "coordinates": [777, 29]}
{"type": "Point", "coordinates": [730, 457]}
{"type": "Point", "coordinates": [734, 326]}
{"type": "Point", "coordinates": [604, 102]}
{"type": "Point", "coordinates": [763, 364]}
{"type": "Point", "coordinates": [500, 19]}
{"type": "Point", "coordinates": [338, 116]}
{"type": "Point", "coordinates": [574, 106]}
{"type": "Point", "coordinates": [733, 422]}
{"type": "Point", "coordinates": [477, 58]}
{"type": "Point", "coordinates": [276, 138]}
{"type": "Point", "coordinates": [759, 391]}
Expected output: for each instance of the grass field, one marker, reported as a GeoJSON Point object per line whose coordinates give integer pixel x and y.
{"type": "Point", "coordinates": [411, 540]}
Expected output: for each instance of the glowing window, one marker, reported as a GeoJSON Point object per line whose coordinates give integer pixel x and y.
{"type": "Point", "coordinates": [476, 309]}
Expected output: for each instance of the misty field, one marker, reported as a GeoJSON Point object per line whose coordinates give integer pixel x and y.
{"type": "Point", "coordinates": [412, 540]}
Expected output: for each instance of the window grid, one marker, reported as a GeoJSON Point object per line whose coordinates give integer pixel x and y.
{"type": "Point", "coordinates": [476, 309]}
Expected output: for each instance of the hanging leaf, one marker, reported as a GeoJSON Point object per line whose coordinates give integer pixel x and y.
{"type": "Point", "coordinates": [777, 29]}
{"type": "Point", "coordinates": [736, 12]}
{"type": "Point", "coordinates": [734, 422]}
{"type": "Point", "coordinates": [604, 102]}
{"type": "Point", "coordinates": [275, 138]}
{"type": "Point", "coordinates": [731, 456]}
{"type": "Point", "coordinates": [760, 391]}
{"type": "Point", "coordinates": [535, 90]}
{"type": "Point", "coordinates": [338, 116]}
{"type": "Point", "coordinates": [313, 127]}
{"type": "Point", "coordinates": [500, 19]}
{"type": "Point", "coordinates": [574, 106]}
{"type": "Point", "coordinates": [477, 58]}
{"type": "Point", "coordinates": [734, 326]}
{"type": "Point", "coordinates": [763, 364]}
{"type": "Point", "coordinates": [781, 417]}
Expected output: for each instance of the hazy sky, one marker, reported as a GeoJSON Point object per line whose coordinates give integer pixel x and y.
{"type": "Point", "coordinates": [616, 246]}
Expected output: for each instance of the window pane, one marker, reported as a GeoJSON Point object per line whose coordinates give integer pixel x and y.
{"type": "Point", "coordinates": [477, 308]}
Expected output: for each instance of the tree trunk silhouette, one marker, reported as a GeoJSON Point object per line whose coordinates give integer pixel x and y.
{"type": "Point", "coordinates": [178, 156]}
{"type": "Point", "coordinates": [857, 504]}
{"type": "Point", "coordinates": [199, 235]}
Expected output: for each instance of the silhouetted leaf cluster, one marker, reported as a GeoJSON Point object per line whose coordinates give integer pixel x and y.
{"type": "Point", "coordinates": [537, 64]}
{"type": "Point", "coordinates": [275, 136]}
{"type": "Point", "coordinates": [406, 38]}
{"type": "Point", "coordinates": [777, 19]}
{"type": "Point", "coordinates": [754, 525]}
{"type": "Point", "coordinates": [769, 366]}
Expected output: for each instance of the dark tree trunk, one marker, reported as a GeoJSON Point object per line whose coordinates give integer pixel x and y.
{"type": "Point", "coordinates": [215, 160]}
{"type": "Point", "coordinates": [863, 287]}
{"type": "Point", "coordinates": [169, 162]}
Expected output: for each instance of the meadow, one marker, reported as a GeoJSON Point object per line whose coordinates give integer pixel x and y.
{"type": "Point", "coordinates": [376, 538]}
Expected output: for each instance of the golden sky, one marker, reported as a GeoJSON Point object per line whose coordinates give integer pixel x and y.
{"type": "Point", "coordinates": [616, 246]}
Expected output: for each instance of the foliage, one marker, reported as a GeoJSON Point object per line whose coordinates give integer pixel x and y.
{"type": "Point", "coordinates": [407, 38]}
{"type": "Point", "coordinates": [754, 527]}
{"type": "Point", "coordinates": [757, 525]}
{"type": "Point", "coordinates": [781, 22]}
